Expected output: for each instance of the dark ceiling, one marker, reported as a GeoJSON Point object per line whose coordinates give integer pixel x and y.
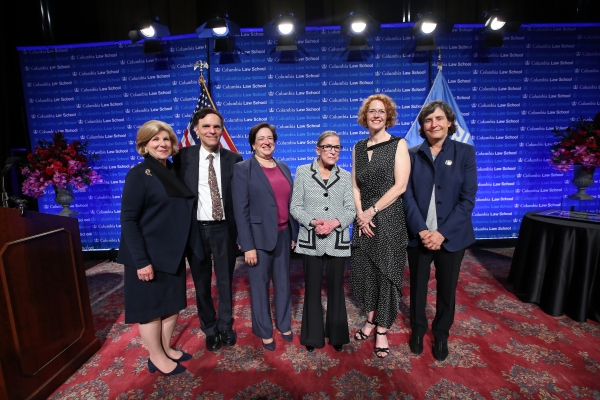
{"type": "Point", "coordinates": [77, 21]}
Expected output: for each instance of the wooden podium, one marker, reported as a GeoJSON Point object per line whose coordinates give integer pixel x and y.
{"type": "Point", "coordinates": [46, 330]}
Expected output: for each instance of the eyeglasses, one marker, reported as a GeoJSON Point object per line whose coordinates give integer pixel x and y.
{"type": "Point", "coordinates": [374, 112]}
{"type": "Point", "coordinates": [328, 147]}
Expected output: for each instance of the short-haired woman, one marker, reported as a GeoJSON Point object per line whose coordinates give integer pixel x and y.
{"type": "Point", "coordinates": [156, 216]}
{"type": "Point", "coordinates": [262, 190]}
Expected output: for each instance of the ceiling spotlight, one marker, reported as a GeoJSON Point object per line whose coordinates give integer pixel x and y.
{"type": "Point", "coordinates": [148, 29]}
{"type": "Point", "coordinates": [285, 24]}
{"type": "Point", "coordinates": [285, 27]}
{"type": "Point", "coordinates": [496, 23]}
{"type": "Point", "coordinates": [426, 28]}
{"type": "Point", "coordinates": [222, 29]}
{"type": "Point", "coordinates": [358, 26]}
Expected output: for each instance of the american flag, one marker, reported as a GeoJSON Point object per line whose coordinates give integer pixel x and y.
{"type": "Point", "coordinates": [204, 101]}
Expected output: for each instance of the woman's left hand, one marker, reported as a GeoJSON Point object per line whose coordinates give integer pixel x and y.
{"type": "Point", "coordinates": [146, 273]}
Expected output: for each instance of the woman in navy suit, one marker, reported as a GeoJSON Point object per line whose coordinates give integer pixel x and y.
{"type": "Point", "coordinates": [156, 215]}
{"type": "Point", "coordinates": [262, 190]}
{"type": "Point", "coordinates": [324, 205]}
{"type": "Point", "coordinates": [438, 201]}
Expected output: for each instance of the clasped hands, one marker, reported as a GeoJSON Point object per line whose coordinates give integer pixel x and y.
{"type": "Point", "coordinates": [324, 227]}
{"type": "Point", "coordinates": [365, 224]}
{"type": "Point", "coordinates": [432, 240]}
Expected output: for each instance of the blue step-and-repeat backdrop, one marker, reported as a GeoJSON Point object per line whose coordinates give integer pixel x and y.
{"type": "Point", "coordinates": [511, 98]}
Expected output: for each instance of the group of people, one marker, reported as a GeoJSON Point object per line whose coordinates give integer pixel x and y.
{"type": "Point", "coordinates": [208, 204]}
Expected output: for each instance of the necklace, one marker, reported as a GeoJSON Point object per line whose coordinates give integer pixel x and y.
{"type": "Point", "coordinates": [260, 161]}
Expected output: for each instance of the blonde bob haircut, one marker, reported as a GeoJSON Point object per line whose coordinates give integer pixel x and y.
{"type": "Point", "coordinates": [151, 129]}
{"type": "Point", "coordinates": [390, 110]}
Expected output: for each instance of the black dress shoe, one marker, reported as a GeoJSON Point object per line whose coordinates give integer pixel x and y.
{"type": "Point", "coordinates": [338, 347]}
{"type": "Point", "coordinates": [213, 342]}
{"type": "Point", "coordinates": [153, 368]}
{"type": "Point", "coordinates": [310, 349]}
{"type": "Point", "coordinates": [184, 357]}
{"type": "Point", "coordinates": [416, 344]}
{"type": "Point", "coordinates": [440, 351]}
{"type": "Point", "coordinates": [228, 338]}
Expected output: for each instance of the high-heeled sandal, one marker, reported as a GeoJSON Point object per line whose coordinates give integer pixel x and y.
{"type": "Point", "coordinates": [384, 350]}
{"type": "Point", "coordinates": [361, 334]}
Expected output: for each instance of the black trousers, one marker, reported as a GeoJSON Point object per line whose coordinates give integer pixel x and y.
{"type": "Point", "coordinates": [336, 326]}
{"type": "Point", "coordinates": [447, 268]}
{"type": "Point", "coordinates": [215, 239]}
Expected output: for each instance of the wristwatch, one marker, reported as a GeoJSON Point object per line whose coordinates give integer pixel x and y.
{"type": "Point", "coordinates": [375, 209]}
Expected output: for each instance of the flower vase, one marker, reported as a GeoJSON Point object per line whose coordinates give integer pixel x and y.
{"type": "Point", "coordinates": [65, 197]}
{"type": "Point", "coordinates": [583, 177]}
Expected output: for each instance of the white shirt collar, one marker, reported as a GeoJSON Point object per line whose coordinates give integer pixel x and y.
{"type": "Point", "coordinates": [204, 153]}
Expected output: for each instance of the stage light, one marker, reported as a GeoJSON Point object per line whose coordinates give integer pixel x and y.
{"type": "Point", "coordinates": [426, 28]}
{"type": "Point", "coordinates": [358, 26]}
{"type": "Point", "coordinates": [222, 29]}
{"type": "Point", "coordinates": [496, 23]}
{"type": "Point", "coordinates": [285, 27]}
{"type": "Point", "coordinates": [148, 29]}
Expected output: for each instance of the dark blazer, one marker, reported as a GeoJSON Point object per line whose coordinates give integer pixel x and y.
{"type": "Point", "coordinates": [154, 226]}
{"type": "Point", "coordinates": [186, 163]}
{"type": "Point", "coordinates": [255, 208]}
{"type": "Point", "coordinates": [454, 175]}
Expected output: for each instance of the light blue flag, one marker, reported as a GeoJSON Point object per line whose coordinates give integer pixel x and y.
{"type": "Point", "coordinates": [441, 91]}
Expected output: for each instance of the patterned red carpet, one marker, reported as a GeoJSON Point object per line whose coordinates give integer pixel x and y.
{"type": "Point", "coordinates": [500, 349]}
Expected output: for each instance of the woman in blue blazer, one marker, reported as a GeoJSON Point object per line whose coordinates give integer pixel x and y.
{"type": "Point", "coordinates": [262, 190]}
{"type": "Point", "coordinates": [156, 216]}
{"type": "Point", "coordinates": [323, 204]}
{"type": "Point", "coordinates": [438, 202]}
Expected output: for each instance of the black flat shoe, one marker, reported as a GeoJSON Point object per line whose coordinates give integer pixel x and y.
{"type": "Point", "coordinates": [184, 357]}
{"type": "Point", "coordinates": [416, 344]}
{"type": "Point", "coordinates": [178, 369]}
{"type": "Point", "coordinates": [213, 342]}
{"type": "Point", "coordinates": [310, 349]}
{"type": "Point", "coordinates": [228, 338]}
{"type": "Point", "coordinates": [338, 347]}
{"type": "Point", "coordinates": [440, 351]}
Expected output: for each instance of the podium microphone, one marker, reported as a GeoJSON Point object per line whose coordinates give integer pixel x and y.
{"type": "Point", "coordinates": [9, 163]}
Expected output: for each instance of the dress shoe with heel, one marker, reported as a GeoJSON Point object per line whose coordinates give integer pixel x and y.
{"type": "Point", "coordinates": [382, 350]}
{"type": "Point", "coordinates": [269, 346]}
{"type": "Point", "coordinates": [228, 338]}
{"type": "Point", "coordinates": [213, 342]}
{"type": "Point", "coordinates": [153, 368]}
{"type": "Point", "coordinates": [360, 335]}
{"type": "Point", "coordinates": [338, 347]}
{"type": "Point", "coordinates": [416, 344]}
{"type": "Point", "coordinates": [440, 350]}
{"type": "Point", "coordinates": [288, 337]}
{"type": "Point", "coordinates": [184, 357]}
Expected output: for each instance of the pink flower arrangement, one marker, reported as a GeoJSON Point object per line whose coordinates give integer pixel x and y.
{"type": "Point", "coordinates": [58, 163]}
{"type": "Point", "coordinates": [579, 144]}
